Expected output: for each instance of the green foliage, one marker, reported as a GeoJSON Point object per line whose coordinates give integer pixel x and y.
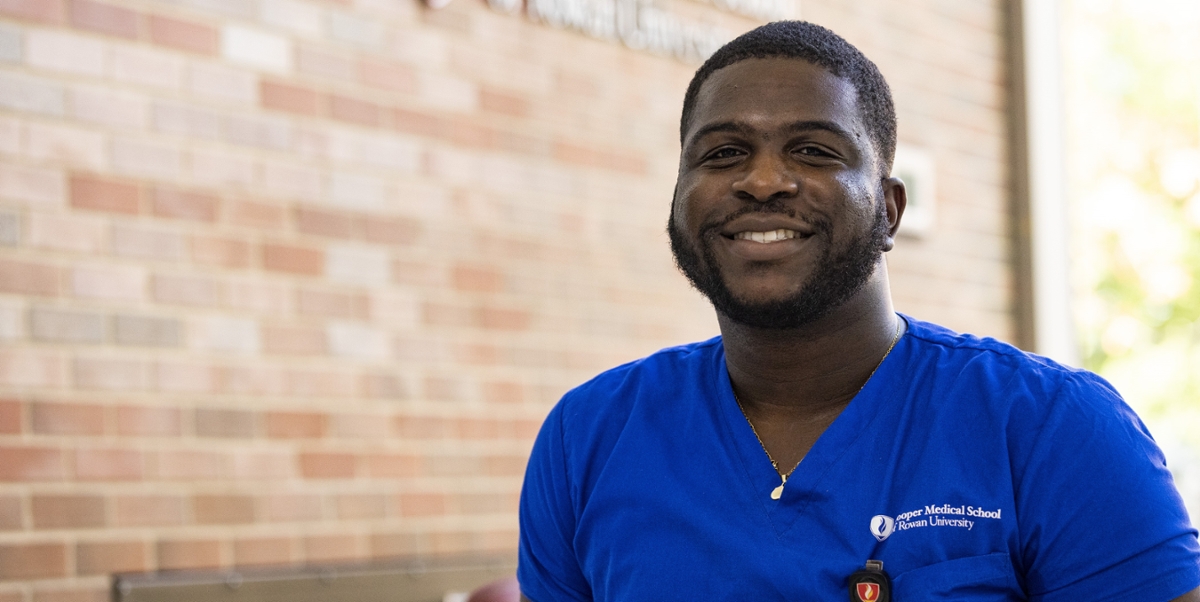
{"type": "Point", "coordinates": [1133, 128]}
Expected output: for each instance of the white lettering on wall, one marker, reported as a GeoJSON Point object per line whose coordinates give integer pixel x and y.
{"type": "Point", "coordinates": [639, 24]}
{"type": "Point", "coordinates": [636, 23]}
{"type": "Point", "coordinates": [766, 10]}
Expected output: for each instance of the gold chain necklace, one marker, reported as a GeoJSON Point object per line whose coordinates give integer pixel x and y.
{"type": "Point", "coordinates": [778, 491]}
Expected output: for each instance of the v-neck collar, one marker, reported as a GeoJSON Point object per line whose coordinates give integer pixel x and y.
{"type": "Point", "coordinates": [804, 485]}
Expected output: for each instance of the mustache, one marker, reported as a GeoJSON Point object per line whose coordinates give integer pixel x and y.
{"type": "Point", "coordinates": [773, 207]}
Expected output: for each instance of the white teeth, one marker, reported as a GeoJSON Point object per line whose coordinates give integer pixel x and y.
{"type": "Point", "coordinates": [771, 236]}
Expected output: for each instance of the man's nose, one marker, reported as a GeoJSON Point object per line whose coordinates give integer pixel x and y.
{"type": "Point", "coordinates": [766, 178]}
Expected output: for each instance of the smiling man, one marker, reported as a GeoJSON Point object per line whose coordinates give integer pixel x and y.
{"type": "Point", "coordinates": [824, 446]}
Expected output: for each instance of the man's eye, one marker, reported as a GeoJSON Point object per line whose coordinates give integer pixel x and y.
{"type": "Point", "coordinates": [724, 153]}
{"type": "Point", "coordinates": [813, 151]}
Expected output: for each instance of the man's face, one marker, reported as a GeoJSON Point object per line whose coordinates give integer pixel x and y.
{"type": "Point", "coordinates": [779, 212]}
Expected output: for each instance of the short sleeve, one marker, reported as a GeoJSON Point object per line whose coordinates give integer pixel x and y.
{"type": "Point", "coordinates": [547, 566]}
{"type": "Point", "coordinates": [1099, 515]}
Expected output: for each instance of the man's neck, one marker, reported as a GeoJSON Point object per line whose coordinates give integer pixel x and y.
{"type": "Point", "coordinates": [814, 370]}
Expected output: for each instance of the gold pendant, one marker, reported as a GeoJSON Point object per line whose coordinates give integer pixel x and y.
{"type": "Point", "coordinates": [778, 491]}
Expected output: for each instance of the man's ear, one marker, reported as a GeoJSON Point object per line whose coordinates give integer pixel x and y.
{"type": "Point", "coordinates": [895, 199]}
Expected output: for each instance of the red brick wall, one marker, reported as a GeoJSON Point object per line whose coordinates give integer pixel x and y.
{"type": "Point", "coordinates": [289, 281]}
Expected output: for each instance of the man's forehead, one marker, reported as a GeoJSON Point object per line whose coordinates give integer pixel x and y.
{"type": "Point", "coordinates": [766, 87]}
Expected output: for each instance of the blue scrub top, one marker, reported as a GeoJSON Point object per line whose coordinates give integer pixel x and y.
{"type": "Point", "coordinates": [973, 470]}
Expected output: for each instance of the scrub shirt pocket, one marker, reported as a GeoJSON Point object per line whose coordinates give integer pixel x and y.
{"type": "Point", "coordinates": [985, 578]}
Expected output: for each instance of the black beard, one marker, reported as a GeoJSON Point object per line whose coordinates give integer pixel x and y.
{"type": "Point", "coordinates": [835, 281]}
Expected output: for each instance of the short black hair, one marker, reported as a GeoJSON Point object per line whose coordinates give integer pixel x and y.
{"type": "Point", "coordinates": [817, 45]}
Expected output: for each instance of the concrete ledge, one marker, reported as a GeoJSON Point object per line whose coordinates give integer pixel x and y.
{"type": "Point", "coordinates": [420, 580]}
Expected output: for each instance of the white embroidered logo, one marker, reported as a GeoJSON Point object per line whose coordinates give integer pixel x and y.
{"type": "Point", "coordinates": [882, 526]}
{"type": "Point", "coordinates": [933, 515]}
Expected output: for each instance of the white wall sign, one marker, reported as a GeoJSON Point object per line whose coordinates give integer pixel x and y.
{"type": "Point", "coordinates": [916, 167]}
{"type": "Point", "coordinates": [766, 10]}
{"type": "Point", "coordinates": [640, 24]}
{"type": "Point", "coordinates": [636, 23]}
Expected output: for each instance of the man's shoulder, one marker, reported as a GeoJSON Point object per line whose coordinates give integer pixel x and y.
{"type": "Point", "coordinates": [605, 402]}
{"type": "Point", "coordinates": [1010, 369]}
{"type": "Point", "coordinates": [591, 418]}
{"type": "Point", "coordinates": [936, 339]}
{"type": "Point", "coordinates": [660, 367]}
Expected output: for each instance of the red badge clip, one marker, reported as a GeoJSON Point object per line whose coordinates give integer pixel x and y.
{"type": "Point", "coordinates": [870, 584]}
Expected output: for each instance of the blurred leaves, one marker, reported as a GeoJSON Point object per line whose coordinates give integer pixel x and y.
{"type": "Point", "coordinates": [1132, 85]}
